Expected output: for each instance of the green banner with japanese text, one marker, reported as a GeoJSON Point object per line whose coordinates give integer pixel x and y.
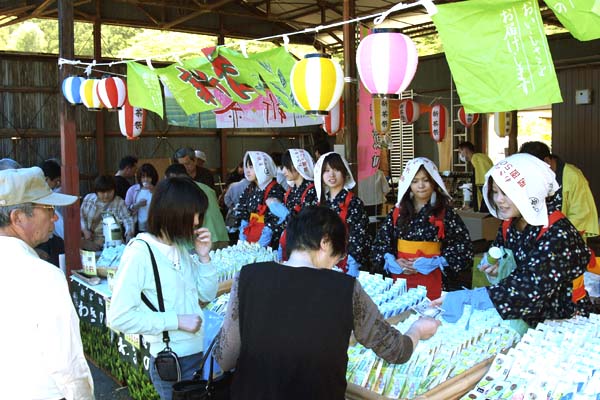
{"type": "Point", "coordinates": [143, 88]}
{"type": "Point", "coordinates": [580, 17]}
{"type": "Point", "coordinates": [189, 88]}
{"type": "Point", "coordinates": [498, 54]}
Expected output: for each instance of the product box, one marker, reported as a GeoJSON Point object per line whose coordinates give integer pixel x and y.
{"type": "Point", "coordinates": [480, 225]}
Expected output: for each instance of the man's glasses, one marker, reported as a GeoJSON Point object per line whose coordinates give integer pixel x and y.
{"type": "Point", "coordinates": [45, 207]}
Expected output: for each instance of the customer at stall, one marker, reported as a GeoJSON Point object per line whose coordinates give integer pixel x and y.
{"type": "Point", "coordinates": [422, 239]}
{"type": "Point", "coordinates": [213, 219]}
{"type": "Point", "coordinates": [194, 165]}
{"type": "Point", "coordinates": [257, 223]}
{"type": "Point", "coordinates": [544, 252]}
{"type": "Point", "coordinates": [103, 200]}
{"type": "Point", "coordinates": [125, 174]}
{"type": "Point", "coordinates": [139, 195]}
{"type": "Point", "coordinates": [481, 164]}
{"type": "Point", "coordinates": [43, 352]}
{"type": "Point", "coordinates": [574, 197]}
{"type": "Point", "coordinates": [298, 169]}
{"type": "Point", "coordinates": [287, 326]}
{"type": "Point", "coordinates": [333, 184]}
{"type": "Point", "coordinates": [180, 248]}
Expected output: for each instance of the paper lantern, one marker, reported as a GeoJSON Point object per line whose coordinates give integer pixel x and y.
{"type": "Point", "coordinates": [409, 111]}
{"type": "Point", "coordinates": [89, 94]}
{"type": "Point", "coordinates": [317, 83]}
{"type": "Point", "coordinates": [466, 119]}
{"type": "Point", "coordinates": [334, 121]}
{"type": "Point", "coordinates": [131, 120]}
{"type": "Point", "coordinates": [387, 61]}
{"type": "Point", "coordinates": [438, 122]}
{"type": "Point", "coordinates": [380, 115]}
{"type": "Point", "coordinates": [503, 123]}
{"type": "Point", "coordinates": [71, 87]}
{"type": "Point", "coordinates": [112, 92]}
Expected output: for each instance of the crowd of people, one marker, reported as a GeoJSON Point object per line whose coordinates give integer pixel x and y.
{"type": "Point", "coordinates": [318, 226]}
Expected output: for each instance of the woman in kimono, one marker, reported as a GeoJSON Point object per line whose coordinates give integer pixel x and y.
{"type": "Point", "coordinates": [298, 168]}
{"type": "Point", "coordinates": [540, 274]}
{"type": "Point", "coordinates": [333, 184]}
{"type": "Point", "coordinates": [422, 239]}
{"type": "Point", "coordinates": [257, 223]}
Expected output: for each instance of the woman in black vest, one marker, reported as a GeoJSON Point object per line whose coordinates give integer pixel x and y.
{"type": "Point", "coordinates": [287, 326]}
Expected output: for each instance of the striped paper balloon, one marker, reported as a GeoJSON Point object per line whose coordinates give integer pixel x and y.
{"type": "Point", "coordinates": [131, 120]}
{"type": "Point", "coordinates": [438, 122]}
{"type": "Point", "coordinates": [89, 94]}
{"type": "Point", "coordinates": [380, 107]}
{"type": "Point", "coordinates": [503, 123]}
{"type": "Point", "coordinates": [387, 61]}
{"type": "Point", "coordinates": [71, 87]}
{"type": "Point", "coordinates": [466, 119]}
{"type": "Point", "coordinates": [112, 92]}
{"type": "Point", "coordinates": [317, 83]}
{"type": "Point", "coordinates": [410, 111]}
{"type": "Point", "coordinates": [334, 121]}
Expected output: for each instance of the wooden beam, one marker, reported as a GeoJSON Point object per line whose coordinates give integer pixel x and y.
{"type": "Point", "coordinates": [350, 89]}
{"type": "Point", "coordinates": [41, 8]}
{"type": "Point", "coordinates": [100, 153]}
{"type": "Point", "coordinates": [204, 10]}
{"type": "Point", "coordinates": [148, 15]}
{"type": "Point", "coordinates": [68, 139]}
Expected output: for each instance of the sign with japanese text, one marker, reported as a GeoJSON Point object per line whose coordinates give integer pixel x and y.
{"type": "Point", "coordinates": [580, 17]}
{"type": "Point", "coordinates": [498, 54]}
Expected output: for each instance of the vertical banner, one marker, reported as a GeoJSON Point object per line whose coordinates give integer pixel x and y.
{"type": "Point", "coordinates": [498, 54]}
{"type": "Point", "coordinates": [143, 88]}
{"type": "Point", "coordinates": [580, 17]}
{"type": "Point", "coordinates": [368, 149]}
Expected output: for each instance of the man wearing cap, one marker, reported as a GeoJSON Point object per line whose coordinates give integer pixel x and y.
{"type": "Point", "coordinates": [42, 348]}
{"type": "Point", "coordinates": [193, 161]}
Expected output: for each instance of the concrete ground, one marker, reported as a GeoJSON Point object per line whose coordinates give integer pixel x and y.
{"type": "Point", "coordinates": [105, 388]}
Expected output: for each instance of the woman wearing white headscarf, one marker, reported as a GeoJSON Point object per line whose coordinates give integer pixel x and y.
{"type": "Point", "coordinates": [422, 239]}
{"type": "Point", "coordinates": [257, 223]}
{"type": "Point", "coordinates": [549, 254]}
{"type": "Point", "coordinates": [333, 183]}
{"type": "Point", "coordinates": [298, 170]}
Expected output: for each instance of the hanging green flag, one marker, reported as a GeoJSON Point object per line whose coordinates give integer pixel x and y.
{"type": "Point", "coordinates": [580, 17]}
{"type": "Point", "coordinates": [143, 88]}
{"type": "Point", "coordinates": [189, 89]}
{"type": "Point", "coordinates": [275, 67]}
{"type": "Point", "coordinates": [498, 54]}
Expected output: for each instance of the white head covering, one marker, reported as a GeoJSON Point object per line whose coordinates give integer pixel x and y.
{"type": "Point", "coordinates": [303, 163]}
{"type": "Point", "coordinates": [411, 169]}
{"type": "Point", "coordinates": [348, 184]}
{"type": "Point", "coordinates": [264, 167]}
{"type": "Point", "coordinates": [526, 181]}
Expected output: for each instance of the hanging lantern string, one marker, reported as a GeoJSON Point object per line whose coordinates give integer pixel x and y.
{"type": "Point", "coordinates": [98, 70]}
{"type": "Point", "coordinates": [377, 19]}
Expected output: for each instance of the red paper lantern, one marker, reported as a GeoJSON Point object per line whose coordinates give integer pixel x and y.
{"type": "Point", "coordinates": [466, 119]}
{"type": "Point", "coordinates": [112, 92]}
{"type": "Point", "coordinates": [334, 121]}
{"type": "Point", "coordinates": [131, 120]}
{"type": "Point", "coordinates": [410, 111]}
{"type": "Point", "coordinates": [438, 122]}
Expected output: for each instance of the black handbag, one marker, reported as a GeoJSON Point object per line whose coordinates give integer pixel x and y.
{"type": "Point", "coordinates": [215, 388]}
{"type": "Point", "coordinates": [166, 361]}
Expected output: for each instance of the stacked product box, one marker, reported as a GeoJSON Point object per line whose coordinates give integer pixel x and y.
{"type": "Point", "coordinates": [231, 259]}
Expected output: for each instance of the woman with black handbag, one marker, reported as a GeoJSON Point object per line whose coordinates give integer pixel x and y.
{"type": "Point", "coordinates": [162, 276]}
{"type": "Point", "coordinates": [287, 325]}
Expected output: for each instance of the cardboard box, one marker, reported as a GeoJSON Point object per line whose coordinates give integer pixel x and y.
{"type": "Point", "coordinates": [480, 225]}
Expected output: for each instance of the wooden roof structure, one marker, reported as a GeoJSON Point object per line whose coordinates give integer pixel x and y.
{"type": "Point", "coordinates": [247, 19]}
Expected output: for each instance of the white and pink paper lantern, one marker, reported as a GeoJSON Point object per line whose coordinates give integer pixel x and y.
{"type": "Point", "coordinates": [410, 111]}
{"type": "Point", "coordinates": [387, 61]}
{"type": "Point", "coordinates": [131, 120]}
{"type": "Point", "coordinates": [466, 119]}
{"type": "Point", "coordinates": [89, 94]}
{"type": "Point", "coordinates": [112, 92]}
{"type": "Point", "coordinates": [71, 89]}
{"type": "Point", "coordinates": [334, 121]}
{"type": "Point", "coordinates": [438, 122]}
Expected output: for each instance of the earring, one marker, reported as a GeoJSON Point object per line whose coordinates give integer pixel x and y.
{"type": "Point", "coordinates": [433, 199]}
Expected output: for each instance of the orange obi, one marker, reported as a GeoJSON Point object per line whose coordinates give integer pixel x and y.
{"type": "Point", "coordinates": [415, 249]}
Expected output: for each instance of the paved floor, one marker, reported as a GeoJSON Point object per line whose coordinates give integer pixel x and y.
{"type": "Point", "coordinates": [105, 388]}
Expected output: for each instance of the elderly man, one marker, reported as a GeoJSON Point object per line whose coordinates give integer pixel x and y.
{"type": "Point", "coordinates": [194, 165]}
{"type": "Point", "coordinates": [42, 345]}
